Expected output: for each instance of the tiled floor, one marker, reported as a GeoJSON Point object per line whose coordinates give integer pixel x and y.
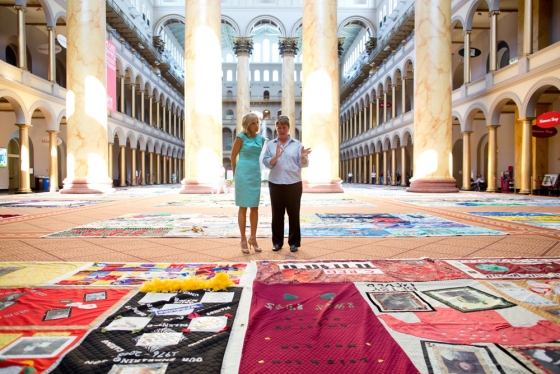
{"type": "Point", "coordinates": [20, 237]}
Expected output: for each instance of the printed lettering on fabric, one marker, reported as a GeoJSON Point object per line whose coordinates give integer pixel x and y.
{"type": "Point", "coordinates": [537, 358]}
{"type": "Point", "coordinates": [399, 301]}
{"type": "Point", "coordinates": [134, 274]}
{"type": "Point", "coordinates": [314, 327]}
{"type": "Point", "coordinates": [452, 358]}
{"type": "Point", "coordinates": [54, 306]}
{"type": "Point", "coordinates": [468, 299]}
{"type": "Point", "coordinates": [508, 268]}
{"type": "Point", "coordinates": [36, 351]}
{"type": "Point", "coordinates": [135, 338]}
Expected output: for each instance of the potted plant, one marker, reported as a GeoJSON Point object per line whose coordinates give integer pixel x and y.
{"type": "Point", "coordinates": [229, 182]}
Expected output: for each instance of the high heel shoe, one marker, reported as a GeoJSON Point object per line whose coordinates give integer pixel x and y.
{"type": "Point", "coordinates": [253, 243]}
{"type": "Point", "coordinates": [244, 247]}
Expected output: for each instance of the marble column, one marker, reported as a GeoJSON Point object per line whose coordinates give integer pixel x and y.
{"type": "Point", "coordinates": [432, 98]}
{"type": "Point", "coordinates": [133, 167]}
{"type": "Point", "coordinates": [377, 103]}
{"type": "Point", "coordinates": [393, 101]}
{"type": "Point", "coordinates": [243, 47]}
{"type": "Point", "coordinates": [320, 95]}
{"type": "Point", "coordinates": [86, 99]}
{"type": "Point", "coordinates": [158, 169]}
{"type": "Point", "coordinates": [385, 171]}
{"type": "Point", "coordinates": [150, 110]}
{"type": "Point", "coordinates": [403, 165]}
{"type": "Point", "coordinates": [393, 166]}
{"type": "Point", "coordinates": [493, 39]}
{"type": "Point", "coordinates": [53, 161]}
{"type": "Point", "coordinates": [120, 78]}
{"type": "Point", "coordinates": [377, 168]}
{"type": "Point", "coordinates": [151, 168]}
{"type": "Point", "coordinates": [288, 50]}
{"type": "Point", "coordinates": [132, 100]}
{"type": "Point", "coordinates": [142, 107]}
{"type": "Point", "coordinates": [110, 160]}
{"type": "Point", "coordinates": [52, 54]}
{"type": "Point", "coordinates": [467, 58]}
{"type": "Point", "coordinates": [526, 152]}
{"type": "Point", "coordinates": [122, 168]}
{"type": "Point", "coordinates": [24, 175]}
{"type": "Point", "coordinates": [385, 106]}
{"type": "Point", "coordinates": [22, 42]}
{"type": "Point", "coordinates": [492, 158]}
{"type": "Point", "coordinates": [528, 27]}
{"type": "Point", "coordinates": [466, 160]}
{"type": "Point", "coordinates": [203, 95]}
{"type": "Point", "coordinates": [142, 167]}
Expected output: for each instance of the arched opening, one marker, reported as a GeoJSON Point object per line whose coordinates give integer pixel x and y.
{"type": "Point", "coordinates": [11, 55]}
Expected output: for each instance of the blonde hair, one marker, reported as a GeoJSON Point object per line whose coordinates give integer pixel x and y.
{"type": "Point", "coordinates": [247, 119]}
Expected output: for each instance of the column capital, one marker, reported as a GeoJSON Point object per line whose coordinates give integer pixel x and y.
{"type": "Point", "coordinates": [51, 28]}
{"type": "Point", "coordinates": [340, 46]}
{"type": "Point", "coordinates": [527, 119]}
{"type": "Point", "coordinates": [371, 45]}
{"type": "Point", "coordinates": [493, 13]}
{"type": "Point", "coordinates": [288, 46]}
{"type": "Point", "coordinates": [467, 32]}
{"type": "Point", "coordinates": [23, 125]}
{"type": "Point", "coordinates": [492, 127]}
{"type": "Point", "coordinates": [466, 132]}
{"type": "Point", "coordinates": [53, 131]}
{"type": "Point", "coordinates": [20, 7]}
{"type": "Point", "coordinates": [243, 45]}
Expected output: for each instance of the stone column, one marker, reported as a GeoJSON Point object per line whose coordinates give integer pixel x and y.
{"type": "Point", "coordinates": [142, 167]}
{"type": "Point", "coordinates": [377, 168]}
{"type": "Point", "coordinates": [432, 98]}
{"type": "Point", "coordinates": [354, 169]}
{"type": "Point", "coordinates": [393, 166]}
{"type": "Point", "coordinates": [24, 175]}
{"type": "Point", "coordinates": [354, 125]}
{"type": "Point", "coordinates": [156, 103]}
{"type": "Point", "coordinates": [170, 122]}
{"type": "Point", "coordinates": [22, 42]}
{"type": "Point", "coordinates": [358, 123]}
{"type": "Point", "coordinates": [393, 101]}
{"type": "Point", "coordinates": [467, 58]}
{"type": "Point", "coordinates": [163, 118]}
{"type": "Point", "coordinates": [466, 160]}
{"type": "Point", "coordinates": [377, 103]}
{"type": "Point", "coordinates": [403, 95]}
{"type": "Point", "coordinates": [121, 90]}
{"type": "Point", "coordinates": [370, 114]}
{"type": "Point", "coordinates": [52, 54]}
{"type": "Point", "coordinates": [243, 47]}
{"type": "Point", "coordinates": [122, 159]}
{"type": "Point", "coordinates": [175, 125]}
{"type": "Point", "coordinates": [110, 161]}
{"type": "Point", "coordinates": [320, 95]}
{"type": "Point", "coordinates": [150, 110]}
{"type": "Point", "coordinates": [86, 99]}
{"type": "Point", "coordinates": [175, 168]}
{"type": "Point", "coordinates": [493, 39]}
{"type": "Point", "coordinates": [365, 127]}
{"type": "Point", "coordinates": [132, 100]}
{"type": "Point", "coordinates": [288, 50]}
{"type": "Point", "coordinates": [371, 167]}
{"type": "Point", "coordinates": [151, 168]}
{"type": "Point", "coordinates": [164, 170]}
{"type": "Point", "coordinates": [528, 28]}
{"type": "Point", "coordinates": [526, 152]}
{"type": "Point", "coordinates": [492, 158]}
{"type": "Point", "coordinates": [53, 162]}
{"type": "Point", "coordinates": [385, 167]}
{"type": "Point", "coordinates": [203, 95]}
{"type": "Point", "coordinates": [158, 169]}
{"type": "Point", "coordinates": [403, 166]}
{"type": "Point", "coordinates": [133, 166]}
{"type": "Point", "coordinates": [385, 106]}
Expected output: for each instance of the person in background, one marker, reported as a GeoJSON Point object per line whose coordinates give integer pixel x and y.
{"type": "Point", "coordinates": [221, 180]}
{"type": "Point", "coordinates": [247, 178]}
{"type": "Point", "coordinates": [350, 177]}
{"type": "Point", "coordinates": [285, 157]}
{"type": "Point", "coordinates": [373, 175]}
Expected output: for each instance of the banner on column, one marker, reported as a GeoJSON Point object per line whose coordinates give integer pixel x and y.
{"type": "Point", "coordinates": [111, 64]}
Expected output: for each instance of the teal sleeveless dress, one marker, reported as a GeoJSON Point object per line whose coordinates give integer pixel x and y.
{"type": "Point", "coordinates": [248, 172]}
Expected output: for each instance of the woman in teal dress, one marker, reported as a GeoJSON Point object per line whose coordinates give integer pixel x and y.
{"type": "Point", "coordinates": [247, 178]}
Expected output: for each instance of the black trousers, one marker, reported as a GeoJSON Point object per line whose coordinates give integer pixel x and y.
{"type": "Point", "coordinates": [285, 198]}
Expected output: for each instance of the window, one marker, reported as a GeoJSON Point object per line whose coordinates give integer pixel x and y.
{"type": "Point", "coordinates": [266, 76]}
{"type": "Point", "coordinates": [257, 53]}
{"type": "Point", "coordinates": [257, 76]}
{"type": "Point", "coordinates": [266, 51]}
{"type": "Point", "coordinates": [229, 76]}
{"type": "Point", "coordinates": [275, 75]}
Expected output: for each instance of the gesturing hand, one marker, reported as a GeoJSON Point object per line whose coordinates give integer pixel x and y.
{"type": "Point", "coordinates": [279, 151]}
{"type": "Point", "coordinates": [305, 152]}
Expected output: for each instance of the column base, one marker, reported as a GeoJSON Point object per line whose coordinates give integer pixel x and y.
{"type": "Point", "coordinates": [433, 185]}
{"type": "Point", "coordinates": [193, 187]}
{"type": "Point", "coordinates": [24, 191]}
{"type": "Point", "coordinates": [334, 186]}
{"type": "Point", "coordinates": [87, 187]}
{"type": "Point", "coordinates": [466, 188]}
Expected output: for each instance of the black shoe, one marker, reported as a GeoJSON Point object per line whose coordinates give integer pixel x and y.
{"type": "Point", "coordinates": [293, 248]}
{"type": "Point", "coordinates": [276, 247]}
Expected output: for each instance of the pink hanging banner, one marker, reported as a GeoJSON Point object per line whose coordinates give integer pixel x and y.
{"type": "Point", "coordinates": [111, 57]}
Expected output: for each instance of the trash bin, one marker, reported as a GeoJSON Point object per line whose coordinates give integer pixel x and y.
{"type": "Point", "coordinates": [39, 184]}
{"type": "Point", "coordinates": [46, 183]}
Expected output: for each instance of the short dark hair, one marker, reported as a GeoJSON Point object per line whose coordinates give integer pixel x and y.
{"type": "Point", "coordinates": [283, 119]}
